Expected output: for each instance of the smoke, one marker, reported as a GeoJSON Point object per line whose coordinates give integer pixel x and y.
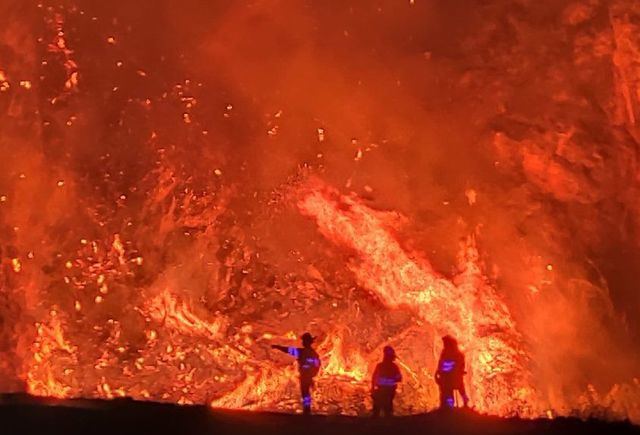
{"type": "Point", "coordinates": [183, 126]}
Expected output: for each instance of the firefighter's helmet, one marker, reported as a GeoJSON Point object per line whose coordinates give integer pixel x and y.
{"type": "Point", "coordinates": [307, 339]}
{"type": "Point", "coordinates": [389, 353]}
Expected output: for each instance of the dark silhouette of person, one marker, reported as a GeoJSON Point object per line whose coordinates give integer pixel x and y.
{"type": "Point", "coordinates": [308, 367]}
{"type": "Point", "coordinates": [384, 383]}
{"type": "Point", "coordinates": [450, 373]}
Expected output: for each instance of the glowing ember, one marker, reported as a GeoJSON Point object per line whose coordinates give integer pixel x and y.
{"type": "Point", "coordinates": [174, 202]}
{"type": "Point", "coordinates": [466, 307]}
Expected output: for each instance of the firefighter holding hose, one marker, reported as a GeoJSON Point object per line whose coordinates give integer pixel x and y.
{"type": "Point", "coordinates": [384, 383]}
{"type": "Point", "coordinates": [308, 367]}
{"type": "Point", "coordinates": [450, 373]}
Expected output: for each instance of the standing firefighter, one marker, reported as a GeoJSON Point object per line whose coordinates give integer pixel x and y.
{"type": "Point", "coordinates": [384, 382]}
{"type": "Point", "coordinates": [450, 373]}
{"type": "Point", "coordinates": [308, 367]}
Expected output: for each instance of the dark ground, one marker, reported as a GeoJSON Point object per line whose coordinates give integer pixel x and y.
{"type": "Point", "coordinates": [21, 415]}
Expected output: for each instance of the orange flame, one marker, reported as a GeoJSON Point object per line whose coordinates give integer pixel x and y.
{"type": "Point", "coordinates": [466, 306]}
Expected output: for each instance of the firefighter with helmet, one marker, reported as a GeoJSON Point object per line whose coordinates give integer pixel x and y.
{"type": "Point", "coordinates": [308, 367]}
{"type": "Point", "coordinates": [450, 374]}
{"type": "Point", "coordinates": [384, 383]}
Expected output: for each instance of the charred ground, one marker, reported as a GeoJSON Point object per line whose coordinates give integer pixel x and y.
{"type": "Point", "coordinates": [24, 415]}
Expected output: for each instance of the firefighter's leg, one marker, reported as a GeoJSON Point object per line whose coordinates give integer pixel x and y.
{"type": "Point", "coordinates": [376, 403]}
{"type": "Point", "coordinates": [463, 393]}
{"type": "Point", "coordinates": [383, 394]}
{"type": "Point", "coordinates": [305, 391]}
{"type": "Point", "coordinates": [446, 396]}
{"type": "Point", "coordinates": [389, 403]}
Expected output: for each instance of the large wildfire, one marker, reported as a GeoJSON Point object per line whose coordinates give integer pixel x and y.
{"type": "Point", "coordinates": [183, 184]}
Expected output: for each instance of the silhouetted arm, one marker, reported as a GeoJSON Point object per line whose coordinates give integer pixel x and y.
{"type": "Point", "coordinates": [293, 351]}
{"type": "Point", "coordinates": [374, 378]}
{"type": "Point", "coordinates": [437, 373]}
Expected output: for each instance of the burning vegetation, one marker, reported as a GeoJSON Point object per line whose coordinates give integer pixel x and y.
{"type": "Point", "coordinates": [184, 183]}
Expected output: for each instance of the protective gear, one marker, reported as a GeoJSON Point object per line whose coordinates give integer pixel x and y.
{"type": "Point", "coordinates": [448, 340]}
{"type": "Point", "coordinates": [305, 393]}
{"type": "Point", "coordinates": [383, 401]}
{"type": "Point", "coordinates": [450, 373]}
{"type": "Point", "coordinates": [308, 367]}
{"type": "Point", "coordinates": [388, 352]}
{"type": "Point", "coordinates": [307, 339]}
{"type": "Point", "coordinates": [384, 383]}
{"type": "Point", "coordinates": [308, 362]}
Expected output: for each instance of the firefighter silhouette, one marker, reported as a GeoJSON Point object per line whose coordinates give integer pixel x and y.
{"type": "Point", "coordinates": [308, 367]}
{"type": "Point", "coordinates": [384, 382]}
{"type": "Point", "coordinates": [450, 374]}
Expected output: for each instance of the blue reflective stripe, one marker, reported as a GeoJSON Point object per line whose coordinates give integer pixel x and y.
{"type": "Point", "coordinates": [306, 401]}
{"type": "Point", "coordinates": [310, 362]}
{"type": "Point", "coordinates": [450, 402]}
{"type": "Point", "coordinates": [293, 351]}
{"type": "Point", "coordinates": [447, 366]}
{"type": "Point", "coordinates": [387, 382]}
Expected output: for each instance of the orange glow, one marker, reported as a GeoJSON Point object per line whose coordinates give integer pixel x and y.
{"type": "Point", "coordinates": [464, 306]}
{"type": "Point", "coordinates": [184, 185]}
